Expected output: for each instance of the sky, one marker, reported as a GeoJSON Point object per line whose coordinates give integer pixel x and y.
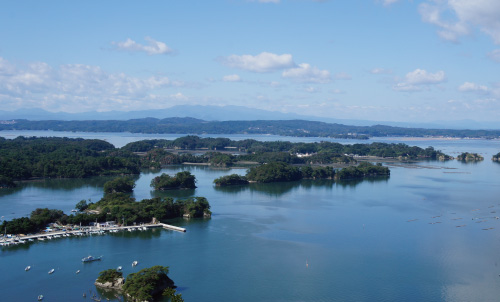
{"type": "Point", "coordinates": [390, 60]}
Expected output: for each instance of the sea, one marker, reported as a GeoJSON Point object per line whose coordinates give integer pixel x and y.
{"type": "Point", "coordinates": [429, 232]}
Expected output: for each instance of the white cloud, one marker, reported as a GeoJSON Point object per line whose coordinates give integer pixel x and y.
{"type": "Point", "coordinates": [76, 87]}
{"type": "Point", "coordinates": [263, 62]}
{"type": "Point", "coordinates": [414, 80]}
{"type": "Point", "coordinates": [495, 55]}
{"type": "Point", "coordinates": [473, 87]}
{"type": "Point", "coordinates": [422, 77]}
{"type": "Point", "coordinates": [153, 48]}
{"type": "Point", "coordinates": [231, 78]}
{"type": "Point", "coordinates": [465, 14]}
{"type": "Point", "coordinates": [306, 73]}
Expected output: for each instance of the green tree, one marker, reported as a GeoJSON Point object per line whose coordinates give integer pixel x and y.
{"type": "Point", "coordinates": [144, 285]}
{"type": "Point", "coordinates": [109, 275]}
{"type": "Point", "coordinates": [119, 185]}
{"type": "Point", "coordinates": [81, 205]}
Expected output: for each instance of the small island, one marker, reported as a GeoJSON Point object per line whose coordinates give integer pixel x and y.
{"type": "Point", "coordinates": [181, 180]}
{"type": "Point", "coordinates": [230, 180]}
{"type": "Point", "coordinates": [470, 157]}
{"type": "Point", "coordinates": [148, 284]}
{"type": "Point", "coordinates": [496, 157]}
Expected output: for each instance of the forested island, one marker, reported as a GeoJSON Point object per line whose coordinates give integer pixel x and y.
{"type": "Point", "coordinates": [469, 157]}
{"type": "Point", "coordinates": [145, 285]}
{"type": "Point", "coordinates": [301, 128]}
{"type": "Point", "coordinates": [114, 206]}
{"type": "Point", "coordinates": [281, 172]}
{"type": "Point", "coordinates": [496, 157]}
{"type": "Point", "coordinates": [181, 180]}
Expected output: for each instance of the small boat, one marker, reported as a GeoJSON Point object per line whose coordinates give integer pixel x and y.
{"type": "Point", "coordinates": [51, 271]}
{"type": "Point", "coordinates": [135, 263]}
{"type": "Point", "coordinates": [91, 258]}
{"type": "Point", "coordinates": [78, 271]}
{"type": "Point", "coordinates": [119, 268]}
{"type": "Point", "coordinates": [40, 297]}
{"type": "Point", "coordinates": [27, 268]}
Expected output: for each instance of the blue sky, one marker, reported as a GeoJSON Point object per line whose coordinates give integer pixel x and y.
{"type": "Point", "coordinates": [387, 60]}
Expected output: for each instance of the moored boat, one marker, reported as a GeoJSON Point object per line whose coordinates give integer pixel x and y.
{"type": "Point", "coordinates": [40, 297]}
{"type": "Point", "coordinates": [51, 271]}
{"type": "Point", "coordinates": [27, 268]}
{"type": "Point", "coordinates": [91, 258]}
{"type": "Point", "coordinates": [135, 263]}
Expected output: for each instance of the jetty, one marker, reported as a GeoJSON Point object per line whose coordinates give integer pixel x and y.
{"type": "Point", "coordinates": [86, 231]}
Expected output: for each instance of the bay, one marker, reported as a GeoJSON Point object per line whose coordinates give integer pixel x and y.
{"type": "Point", "coordinates": [427, 233]}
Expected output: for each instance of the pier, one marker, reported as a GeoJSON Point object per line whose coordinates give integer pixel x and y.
{"type": "Point", "coordinates": [84, 231]}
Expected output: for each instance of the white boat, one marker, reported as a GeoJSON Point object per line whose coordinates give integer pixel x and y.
{"type": "Point", "coordinates": [31, 240]}
{"type": "Point", "coordinates": [40, 297]}
{"type": "Point", "coordinates": [119, 268]}
{"type": "Point", "coordinates": [27, 268]}
{"type": "Point", "coordinates": [91, 258]}
{"type": "Point", "coordinates": [78, 271]}
{"type": "Point", "coordinates": [135, 263]}
{"type": "Point", "coordinates": [51, 271]}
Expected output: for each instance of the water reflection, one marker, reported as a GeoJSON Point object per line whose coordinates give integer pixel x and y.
{"type": "Point", "coordinates": [281, 188]}
{"type": "Point", "coordinates": [184, 193]}
{"type": "Point", "coordinates": [62, 184]}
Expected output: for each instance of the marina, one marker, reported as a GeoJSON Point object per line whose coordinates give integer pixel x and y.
{"type": "Point", "coordinates": [86, 231]}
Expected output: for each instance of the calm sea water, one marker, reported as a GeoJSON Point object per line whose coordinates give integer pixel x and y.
{"type": "Point", "coordinates": [427, 233]}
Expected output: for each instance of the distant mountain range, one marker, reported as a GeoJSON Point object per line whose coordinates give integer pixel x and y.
{"type": "Point", "coordinates": [227, 113]}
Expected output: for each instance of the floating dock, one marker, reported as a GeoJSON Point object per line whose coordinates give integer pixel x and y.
{"type": "Point", "coordinates": [94, 230]}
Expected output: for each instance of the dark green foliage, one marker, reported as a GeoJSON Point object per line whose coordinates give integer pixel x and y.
{"type": "Point", "coordinates": [143, 285]}
{"type": "Point", "coordinates": [6, 182]}
{"type": "Point", "coordinates": [466, 156]}
{"type": "Point", "coordinates": [273, 156]}
{"type": "Point", "coordinates": [119, 185]}
{"type": "Point", "coordinates": [42, 217]}
{"type": "Point", "coordinates": [81, 205]}
{"type": "Point", "coordinates": [181, 180]}
{"type": "Point", "coordinates": [218, 159]}
{"type": "Point", "coordinates": [24, 158]}
{"type": "Point", "coordinates": [273, 172]}
{"type": "Point", "coordinates": [362, 170]}
{"type": "Point", "coordinates": [196, 207]}
{"type": "Point", "coordinates": [324, 158]}
{"type": "Point", "coordinates": [496, 157]}
{"type": "Point", "coordinates": [318, 173]}
{"type": "Point", "coordinates": [230, 180]}
{"type": "Point", "coordinates": [22, 225]}
{"type": "Point", "coordinates": [171, 293]}
{"type": "Point", "coordinates": [109, 275]}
